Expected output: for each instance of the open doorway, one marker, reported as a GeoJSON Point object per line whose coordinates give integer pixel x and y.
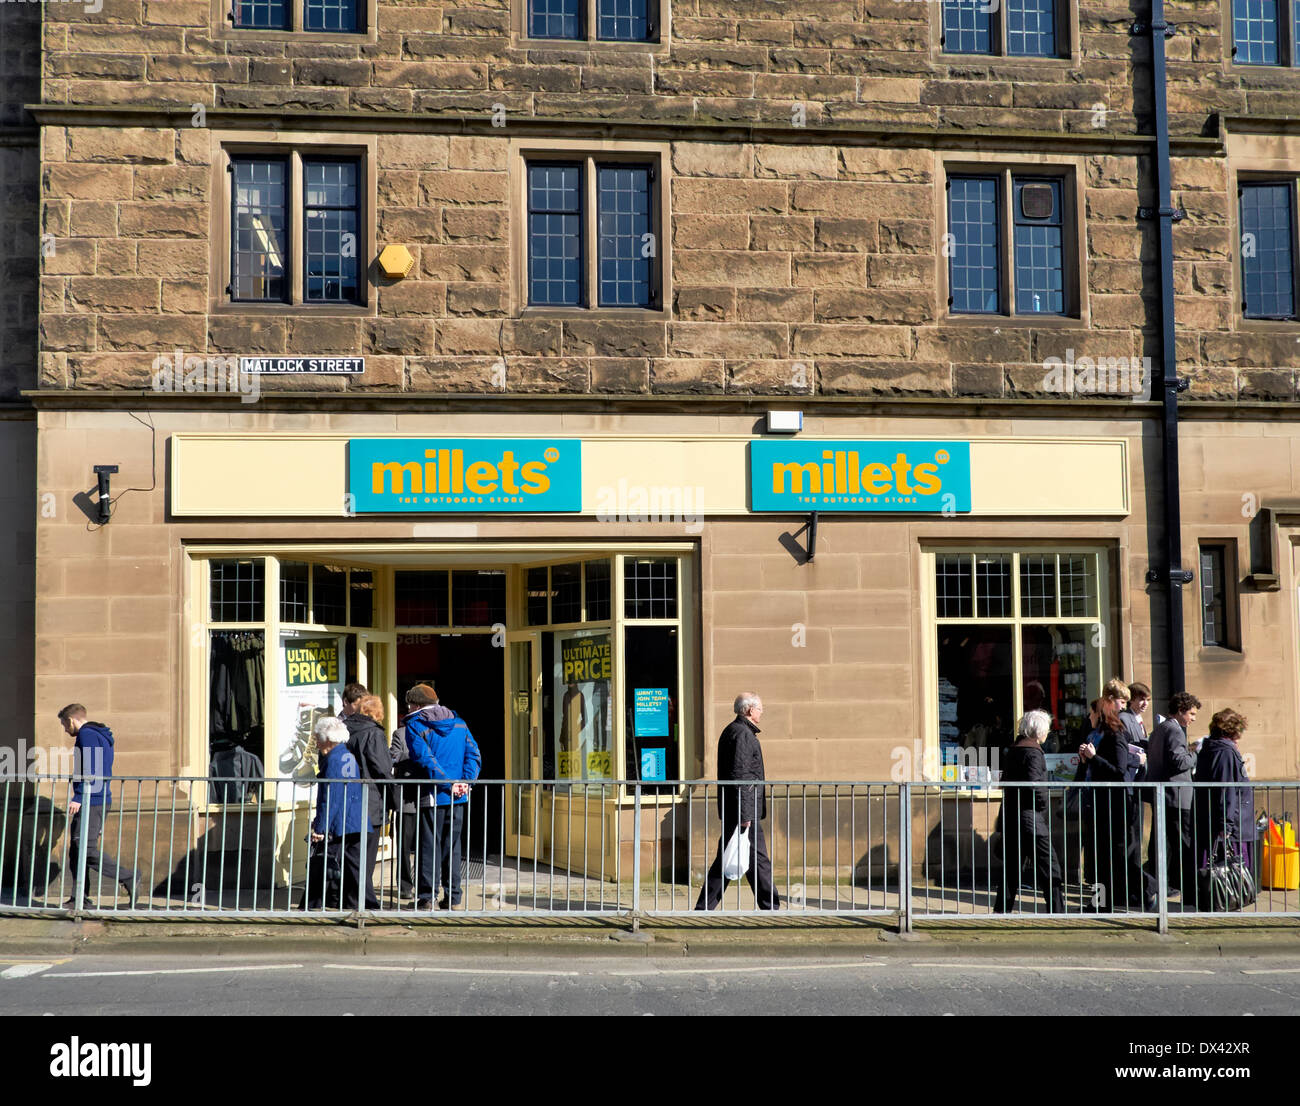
{"type": "Point", "coordinates": [468, 673]}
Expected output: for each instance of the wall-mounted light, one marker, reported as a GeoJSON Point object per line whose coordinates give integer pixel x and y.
{"type": "Point", "coordinates": [784, 422]}
{"type": "Point", "coordinates": [102, 473]}
{"type": "Point", "coordinates": [396, 262]}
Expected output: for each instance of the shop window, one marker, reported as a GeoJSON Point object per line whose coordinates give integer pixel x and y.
{"type": "Point", "coordinates": [596, 582]}
{"type": "Point", "coordinates": [1258, 36]}
{"type": "Point", "coordinates": [1015, 631]}
{"type": "Point", "coordinates": [344, 16]}
{"type": "Point", "coordinates": [329, 595]}
{"type": "Point", "coordinates": [539, 596]}
{"type": "Point", "coordinates": [612, 20]}
{"type": "Point", "coordinates": [566, 593]}
{"type": "Point", "coordinates": [565, 267]}
{"type": "Point", "coordinates": [1219, 623]}
{"type": "Point", "coordinates": [236, 710]}
{"type": "Point", "coordinates": [579, 705]}
{"type": "Point", "coordinates": [421, 598]}
{"type": "Point", "coordinates": [311, 664]}
{"type": "Point", "coordinates": [1016, 28]}
{"type": "Point", "coordinates": [478, 597]}
{"type": "Point", "coordinates": [986, 212]}
{"type": "Point", "coordinates": [650, 587]}
{"type": "Point", "coordinates": [651, 703]}
{"type": "Point", "coordinates": [237, 589]}
{"type": "Point", "coordinates": [274, 198]}
{"type": "Point", "coordinates": [361, 596]}
{"type": "Point", "coordinates": [1268, 283]}
{"type": "Point", "coordinates": [294, 594]}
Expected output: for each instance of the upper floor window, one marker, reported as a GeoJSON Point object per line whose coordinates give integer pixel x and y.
{"type": "Point", "coordinates": [984, 276]}
{"type": "Point", "coordinates": [1259, 33]}
{"type": "Point", "coordinates": [1014, 28]}
{"type": "Point", "coordinates": [345, 16]}
{"type": "Point", "coordinates": [1268, 285]}
{"type": "Point", "coordinates": [604, 20]}
{"type": "Point", "coordinates": [295, 205]}
{"type": "Point", "coordinates": [592, 234]}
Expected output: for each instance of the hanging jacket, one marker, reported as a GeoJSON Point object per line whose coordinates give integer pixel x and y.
{"type": "Point", "coordinates": [367, 745]}
{"type": "Point", "coordinates": [338, 804]}
{"type": "Point", "coordinates": [441, 744]}
{"type": "Point", "coordinates": [92, 761]}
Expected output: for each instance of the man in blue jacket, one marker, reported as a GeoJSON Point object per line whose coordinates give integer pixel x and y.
{"type": "Point", "coordinates": [445, 752]}
{"type": "Point", "coordinates": [91, 797]}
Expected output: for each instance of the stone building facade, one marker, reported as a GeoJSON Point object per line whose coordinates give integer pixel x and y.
{"type": "Point", "coordinates": [800, 228]}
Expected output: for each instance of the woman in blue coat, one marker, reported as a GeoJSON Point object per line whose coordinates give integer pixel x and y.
{"type": "Point", "coordinates": [337, 828]}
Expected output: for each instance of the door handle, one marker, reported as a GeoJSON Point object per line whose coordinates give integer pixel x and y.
{"type": "Point", "coordinates": [532, 741]}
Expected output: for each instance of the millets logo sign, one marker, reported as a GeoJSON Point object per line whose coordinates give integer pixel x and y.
{"type": "Point", "coordinates": [860, 476]}
{"type": "Point", "coordinates": [448, 475]}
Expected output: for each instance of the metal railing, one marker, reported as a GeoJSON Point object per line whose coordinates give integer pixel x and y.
{"type": "Point", "coordinates": [202, 847]}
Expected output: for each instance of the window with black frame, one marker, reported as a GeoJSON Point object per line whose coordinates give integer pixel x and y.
{"type": "Point", "coordinates": [603, 20]}
{"type": "Point", "coordinates": [987, 212]}
{"type": "Point", "coordinates": [338, 16]}
{"type": "Point", "coordinates": [262, 228]}
{"type": "Point", "coordinates": [1010, 28]}
{"type": "Point", "coordinates": [621, 268]}
{"type": "Point", "coordinates": [1264, 32]}
{"type": "Point", "coordinates": [259, 229]}
{"type": "Point", "coordinates": [1268, 271]}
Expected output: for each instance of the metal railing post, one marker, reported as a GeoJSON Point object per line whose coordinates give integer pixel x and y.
{"type": "Point", "coordinates": [636, 858]}
{"type": "Point", "coordinates": [366, 873]}
{"type": "Point", "coordinates": [83, 835]}
{"type": "Point", "coordinates": [1162, 859]}
{"type": "Point", "coordinates": [905, 858]}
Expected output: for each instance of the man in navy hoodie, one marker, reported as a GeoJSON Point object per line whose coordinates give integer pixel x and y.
{"type": "Point", "coordinates": [91, 797]}
{"type": "Point", "coordinates": [445, 752]}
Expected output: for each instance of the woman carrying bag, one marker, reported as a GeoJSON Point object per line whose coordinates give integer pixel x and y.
{"type": "Point", "coordinates": [1024, 818]}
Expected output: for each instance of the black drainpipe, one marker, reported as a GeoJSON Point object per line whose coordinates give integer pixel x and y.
{"type": "Point", "coordinates": [1171, 571]}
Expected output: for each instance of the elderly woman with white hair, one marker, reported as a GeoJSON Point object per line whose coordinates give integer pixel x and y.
{"type": "Point", "coordinates": [336, 829]}
{"type": "Point", "coordinates": [1024, 817]}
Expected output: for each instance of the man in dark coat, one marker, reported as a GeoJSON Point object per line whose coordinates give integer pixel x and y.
{"type": "Point", "coordinates": [1170, 760]}
{"type": "Point", "coordinates": [369, 748]}
{"type": "Point", "coordinates": [740, 757]}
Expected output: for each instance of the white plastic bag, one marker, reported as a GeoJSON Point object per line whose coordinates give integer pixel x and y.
{"type": "Point", "coordinates": [735, 857]}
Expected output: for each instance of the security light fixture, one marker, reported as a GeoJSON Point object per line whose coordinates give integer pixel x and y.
{"type": "Point", "coordinates": [784, 422]}
{"type": "Point", "coordinates": [102, 473]}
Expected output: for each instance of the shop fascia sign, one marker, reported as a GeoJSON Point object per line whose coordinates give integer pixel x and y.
{"type": "Point", "coordinates": [448, 475]}
{"type": "Point", "coordinates": [860, 476]}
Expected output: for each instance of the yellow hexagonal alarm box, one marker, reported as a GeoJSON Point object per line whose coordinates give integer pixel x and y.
{"type": "Point", "coordinates": [396, 262]}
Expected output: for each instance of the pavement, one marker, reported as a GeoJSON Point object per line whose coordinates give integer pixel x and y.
{"type": "Point", "coordinates": [678, 938]}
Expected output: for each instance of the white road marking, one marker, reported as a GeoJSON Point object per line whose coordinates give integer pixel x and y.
{"type": "Point", "coordinates": [444, 971]}
{"type": "Point", "coordinates": [1270, 971]}
{"type": "Point", "coordinates": [18, 971]}
{"type": "Point", "coordinates": [1065, 968]}
{"type": "Point", "coordinates": [175, 971]}
{"type": "Point", "coordinates": [748, 968]}
{"type": "Point", "coordinates": [622, 972]}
